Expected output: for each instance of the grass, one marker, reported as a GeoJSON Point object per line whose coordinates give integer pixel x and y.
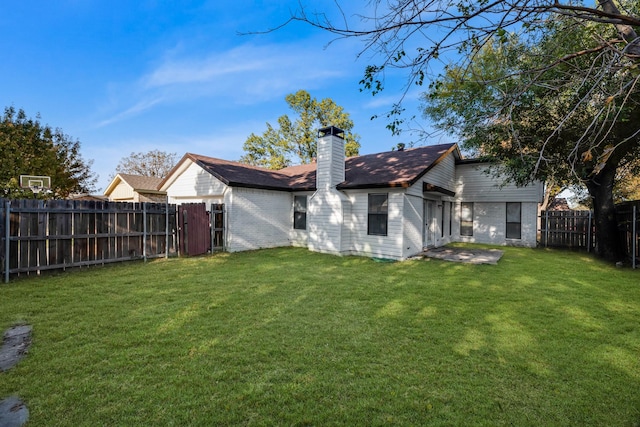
{"type": "Point", "coordinates": [290, 337]}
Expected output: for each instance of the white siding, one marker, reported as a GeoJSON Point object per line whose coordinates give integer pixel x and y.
{"type": "Point", "coordinates": [330, 162]}
{"type": "Point", "coordinates": [194, 185]}
{"type": "Point", "coordinates": [443, 175]}
{"type": "Point", "coordinates": [300, 237]}
{"type": "Point", "coordinates": [258, 219]}
{"type": "Point", "coordinates": [490, 222]}
{"type": "Point", "coordinates": [413, 235]}
{"type": "Point", "coordinates": [325, 218]}
{"type": "Point", "coordinates": [389, 246]}
{"type": "Point", "coordinates": [474, 185]}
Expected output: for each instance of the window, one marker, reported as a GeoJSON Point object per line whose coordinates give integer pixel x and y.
{"type": "Point", "coordinates": [378, 214]}
{"type": "Point", "coordinates": [300, 212]}
{"type": "Point", "coordinates": [442, 221]}
{"type": "Point", "coordinates": [514, 220]}
{"type": "Point", "coordinates": [466, 219]}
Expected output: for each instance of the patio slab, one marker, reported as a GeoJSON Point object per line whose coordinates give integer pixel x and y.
{"type": "Point", "coordinates": [471, 256]}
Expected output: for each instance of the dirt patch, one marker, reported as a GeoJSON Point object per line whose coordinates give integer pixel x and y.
{"type": "Point", "coordinates": [471, 256]}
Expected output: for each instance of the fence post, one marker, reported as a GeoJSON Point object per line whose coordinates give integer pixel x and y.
{"type": "Point", "coordinates": [634, 237]}
{"type": "Point", "coordinates": [144, 231]}
{"type": "Point", "coordinates": [7, 247]}
{"type": "Point", "coordinates": [546, 228]}
{"type": "Point", "coordinates": [166, 231]}
{"type": "Point", "coordinates": [589, 234]}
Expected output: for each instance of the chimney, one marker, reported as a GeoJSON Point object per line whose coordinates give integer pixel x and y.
{"type": "Point", "coordinates": [331, 157]}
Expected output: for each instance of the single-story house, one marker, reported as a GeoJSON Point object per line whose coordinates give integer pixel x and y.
{"type": "Point", "coordinates": [135, 188]}
{"type": "Point", "coordinates": [388, 205]}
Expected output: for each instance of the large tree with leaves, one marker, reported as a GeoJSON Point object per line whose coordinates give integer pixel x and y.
{"type": "Point", "coordinates": [295, 141]}
{"type": "Point", "coordinates": [585, 116]}
{"type": "Point", "coordinates": [153, 163]}
{"type": "Point", "coordinates": [558, 123]}
{"type": "Point", "coordinates": [29, 148]}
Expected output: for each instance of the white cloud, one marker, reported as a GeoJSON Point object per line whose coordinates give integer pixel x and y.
{"type": "Point", "coordinates": [136, 109]}
{"type": "Point", "coordinates": [244, 75]}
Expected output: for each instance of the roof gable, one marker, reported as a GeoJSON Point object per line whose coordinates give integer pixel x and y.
{"type": "Point", "coordinates": [138, 183]}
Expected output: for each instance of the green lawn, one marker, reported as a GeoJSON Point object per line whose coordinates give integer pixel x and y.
{"type": "Point", "coordinates": [290, 337]}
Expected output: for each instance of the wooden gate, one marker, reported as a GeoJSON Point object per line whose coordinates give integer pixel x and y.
{"type": "Point", "coordinates": [194, 229]}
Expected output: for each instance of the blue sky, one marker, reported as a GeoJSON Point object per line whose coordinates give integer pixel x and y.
{"type": "Point", "coordinates": [125, 76]}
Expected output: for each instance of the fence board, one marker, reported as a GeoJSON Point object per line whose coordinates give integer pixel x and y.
{"type": "Point", "coordinates": [573, 229]}
{"type": "Point", "coordinates": [57, 234]}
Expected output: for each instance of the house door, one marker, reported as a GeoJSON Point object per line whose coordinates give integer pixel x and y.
{"type": "Point", "coordinates": [429, 223]}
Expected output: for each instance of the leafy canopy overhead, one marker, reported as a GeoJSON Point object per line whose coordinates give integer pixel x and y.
{"type": "Point", "coordinates": [29, 148]}
{"type": "Point", "coordinates": [295, 141]}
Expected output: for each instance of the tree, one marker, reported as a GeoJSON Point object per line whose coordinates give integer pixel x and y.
{"type": "Point", "coordinates": [295, 142]}
{"type": "Point", "coordinates": [584, 115]}
{"type": "Point", "coordinates": [569, 130]}
{"type": "Point", "coordinates": [29, 148]}
{"type": "Point", "coordinates": [154, 163]}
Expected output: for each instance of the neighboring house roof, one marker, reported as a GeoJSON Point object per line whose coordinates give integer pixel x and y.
{"type": "Point", "coordinates": [87, 196]}
{"type": "Point", "coordinates": [389, 169]}
{"type": "Point", "coordinates": [559, 204]}
{"type": "Point", "coordinates": [140, 184]}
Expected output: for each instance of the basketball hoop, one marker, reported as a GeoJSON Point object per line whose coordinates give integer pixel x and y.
{"type": "Point", "coordinates": [36, 183]}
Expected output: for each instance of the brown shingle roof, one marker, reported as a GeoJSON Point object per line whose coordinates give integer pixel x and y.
{"type": "Point", "coordinates": [388, 169]}
{"type": "Point", "coordinates": [141, 183]}
{"type": "Point", "coordinates": [393, 168]}
{"type": "Point", "coordinates": [237, 174]}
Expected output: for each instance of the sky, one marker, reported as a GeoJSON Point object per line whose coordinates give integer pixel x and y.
{"type": "Point", "coordinates": [190, 76]}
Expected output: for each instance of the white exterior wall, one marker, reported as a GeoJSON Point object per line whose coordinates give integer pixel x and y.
{"type": "Point", "coordinates": [489, 196]}
{"type": "Point", "coordinates": [195, 185]}
{"type": "Point", "coordinates": [258, 219]}
{"type": "Point", "coordinates": [389, 246]}
{"type": "Point", "coordinates": [413, 229]}
{"type": "Point", "coordinates": [300, 237]}
{"type": "Point", "coordinates": [443, 175]}
{"type": "Point", "coordinates": [474, 185]}
{"type": "Point", "coordinates": [325, 219]}
{"type": "Point", "coordinates": [490, 223]}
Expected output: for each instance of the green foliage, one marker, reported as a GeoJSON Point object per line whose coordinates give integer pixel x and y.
{"type": "Point", "coordinates": [29, 148]}
{"type": "Point", "coordinates": [541, 117]}
{"type": "Point", "coordinates": [154, 163]}
{"type": "Point", "coordinates": [290, 337]}
{"type": "Point", "coordinates": [295, 141]}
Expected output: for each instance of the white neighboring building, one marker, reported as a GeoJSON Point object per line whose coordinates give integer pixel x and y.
{"type": "Point", "coordinates": [388, 205]}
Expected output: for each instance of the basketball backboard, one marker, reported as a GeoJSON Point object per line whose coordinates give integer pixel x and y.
{"type": "Point", "coordinates": [36, 183]}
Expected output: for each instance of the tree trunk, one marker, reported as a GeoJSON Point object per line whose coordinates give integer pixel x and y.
{"type": "Point", "coordinates": [604, 214]}
{"type": "Point", "coordinates": [626, 31]}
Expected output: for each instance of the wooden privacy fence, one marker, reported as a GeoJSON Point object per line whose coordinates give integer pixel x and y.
{"type": "Point", "coordinates": [56, 234]}
{"type": "Point", "coordinates": [572, 229]}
